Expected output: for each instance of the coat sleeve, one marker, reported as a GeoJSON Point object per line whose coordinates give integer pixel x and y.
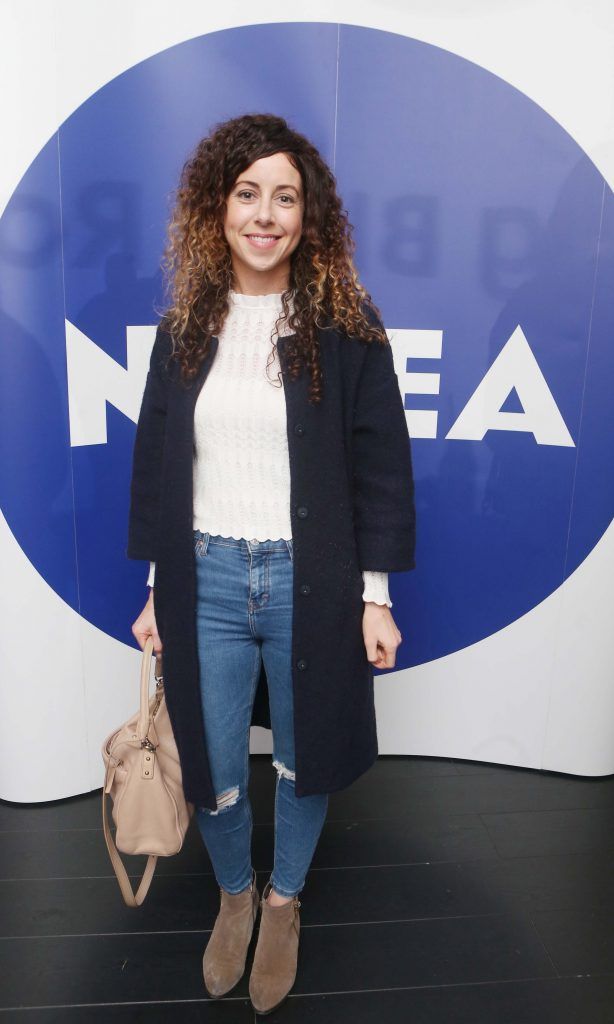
{"type": "Point", "coordinates": [145, 484]}
{"type": "Point", "coordinates": [383, 485]}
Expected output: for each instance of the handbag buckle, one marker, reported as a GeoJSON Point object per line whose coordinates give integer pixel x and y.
{"type": "Point", "coordinates": [147, 744]}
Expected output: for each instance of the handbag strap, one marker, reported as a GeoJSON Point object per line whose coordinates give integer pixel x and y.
{"type": "Point", "coordinates": [131, 898]}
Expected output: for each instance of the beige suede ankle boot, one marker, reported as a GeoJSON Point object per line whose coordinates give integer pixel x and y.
{"type": "Point", "coordinates": [226, 951]}
{"type": "Point", "coordinates": [275, 960]}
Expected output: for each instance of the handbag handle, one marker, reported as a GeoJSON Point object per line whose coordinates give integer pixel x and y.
{"type": "Point", "coordinates": [143, 722]}
{"type": "Point", "coordinates": [131, 898]}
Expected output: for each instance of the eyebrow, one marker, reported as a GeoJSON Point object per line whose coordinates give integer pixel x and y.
{"type": "Point", "coordinates": [255, 184]}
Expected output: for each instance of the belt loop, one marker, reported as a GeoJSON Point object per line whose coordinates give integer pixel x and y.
{"type": "Point", "coordinates": [205, 542]}
{"type": "Point", "coordinates": [290, 546]}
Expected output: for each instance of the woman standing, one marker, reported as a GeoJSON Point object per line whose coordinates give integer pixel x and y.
{"type": "Point", "coordinates": [272, 492]}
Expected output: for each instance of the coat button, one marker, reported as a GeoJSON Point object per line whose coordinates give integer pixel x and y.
{"type": "Point", "coordinates": [301, 663]}
{"type": "Point", "coordinates": [299, 429]}
{"type": "Point", "coordinates": [301, 511]}
{"type": "Point", "coordinates": [305, 588]}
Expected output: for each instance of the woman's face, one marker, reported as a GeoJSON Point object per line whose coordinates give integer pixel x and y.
{"type": "Point", "coordinates": [263, 224]}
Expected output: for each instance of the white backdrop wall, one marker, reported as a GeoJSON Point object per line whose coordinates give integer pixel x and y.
{"type": "Point", "coordinates": [536, 691]}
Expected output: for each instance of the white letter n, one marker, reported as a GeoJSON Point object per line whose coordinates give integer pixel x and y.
{"type": "Point", "coordinates": [94, 379]}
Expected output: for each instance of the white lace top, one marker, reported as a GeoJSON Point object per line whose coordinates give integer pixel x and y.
{"type": "Point", "coordinates": [241, 463]}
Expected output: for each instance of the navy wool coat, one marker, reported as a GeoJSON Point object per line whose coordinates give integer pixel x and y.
{"type": "Point", "coordinates": [351, 509]}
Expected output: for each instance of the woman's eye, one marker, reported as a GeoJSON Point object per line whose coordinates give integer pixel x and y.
{"type": "Point", "coordinates": [248, 192]}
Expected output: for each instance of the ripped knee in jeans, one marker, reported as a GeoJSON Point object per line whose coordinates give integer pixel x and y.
{"type": "Point", "coordinates": [224, 801]}
{"type": "Point", "coordinates": [283, 771]}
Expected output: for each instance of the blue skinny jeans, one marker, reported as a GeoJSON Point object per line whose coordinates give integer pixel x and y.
{"type": "Point", "coordinates": [244, 613]}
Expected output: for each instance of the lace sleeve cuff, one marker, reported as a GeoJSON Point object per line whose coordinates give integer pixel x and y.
{"type": "Point", "coordinates": [376, 587]}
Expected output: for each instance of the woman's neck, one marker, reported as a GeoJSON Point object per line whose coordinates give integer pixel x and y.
{"type": "Point", "coordinates": [260, 283]}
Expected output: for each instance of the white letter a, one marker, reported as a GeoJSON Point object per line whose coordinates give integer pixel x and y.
{"type": "Point", "coordinates": [514, 367]}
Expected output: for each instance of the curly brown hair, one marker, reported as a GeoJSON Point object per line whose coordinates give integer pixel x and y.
{"type": "Point", "coordinates": [197, 265]}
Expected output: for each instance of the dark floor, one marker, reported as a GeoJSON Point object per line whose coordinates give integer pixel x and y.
{"type": "Point", "coordinates": [441, 892]}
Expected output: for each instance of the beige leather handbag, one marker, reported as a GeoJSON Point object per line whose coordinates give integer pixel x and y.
{"type": "Point", "coordinates": [143, 779]}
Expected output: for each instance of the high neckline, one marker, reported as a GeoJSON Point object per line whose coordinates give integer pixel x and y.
{"type": "Point", "coordinates": [255, 301]}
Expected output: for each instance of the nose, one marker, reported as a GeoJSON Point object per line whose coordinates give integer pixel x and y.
{"type": "Point", "coordinates": [264, 211]}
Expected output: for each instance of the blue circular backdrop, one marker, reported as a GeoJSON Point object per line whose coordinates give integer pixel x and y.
{"type": "Point", "coordinates": [474, 213]}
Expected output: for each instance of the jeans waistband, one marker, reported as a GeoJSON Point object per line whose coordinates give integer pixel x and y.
{"type": "Point", "coordinates": [242, 543]}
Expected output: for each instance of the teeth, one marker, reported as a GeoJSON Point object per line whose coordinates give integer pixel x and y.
{"type": "Point", "coordinates": [263, 240]}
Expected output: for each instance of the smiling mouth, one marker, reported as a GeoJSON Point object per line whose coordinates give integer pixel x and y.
{"type": "Point", "coordinates": [263, 241]}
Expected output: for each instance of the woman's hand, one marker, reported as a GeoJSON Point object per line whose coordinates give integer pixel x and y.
{"type": "Point", "coordinates": [145, 626]}
{"type": "Point", "coordinates": [380, 634]}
